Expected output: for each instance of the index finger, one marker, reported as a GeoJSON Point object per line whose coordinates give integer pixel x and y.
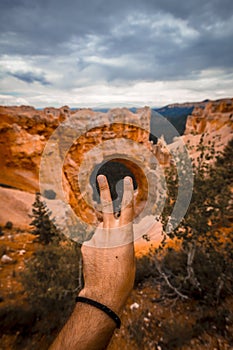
{"type": "Point", "coordinates": [127, 202]}
{"type": "Point", "coordinates": [106, 199]}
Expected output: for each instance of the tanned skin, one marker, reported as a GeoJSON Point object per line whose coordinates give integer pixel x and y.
{"type": "Point", "coordinates": [109, 272]}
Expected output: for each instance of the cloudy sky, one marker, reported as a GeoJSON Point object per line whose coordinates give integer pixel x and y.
{"type": "Point", "coordinates": [87, 53]}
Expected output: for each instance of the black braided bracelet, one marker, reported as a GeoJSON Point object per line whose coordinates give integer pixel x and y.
{"type": "Point", "coordinates": [102, 307]}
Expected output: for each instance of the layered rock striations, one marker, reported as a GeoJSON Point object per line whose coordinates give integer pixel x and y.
{"type": "Point", "coordinates": [216, 118]}
{"type": "Point", "coordinates": [81, 142]}
{"type": "Point", "coordinates": [89, 140]}
{"type": "Point", "coordinates": [23, 135]}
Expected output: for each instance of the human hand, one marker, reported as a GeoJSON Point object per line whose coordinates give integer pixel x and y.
{"type": "Point", "coordinates": [108, 258]}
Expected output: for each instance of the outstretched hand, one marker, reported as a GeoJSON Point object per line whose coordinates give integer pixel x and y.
{"type": "Point", "coordinates": [109, 271]}
{"type": "Point", "coordinates": [108, 258]}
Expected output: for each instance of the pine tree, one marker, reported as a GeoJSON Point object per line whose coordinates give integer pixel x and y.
{"type": "Point", "coordinates": [205, 246]}
{"type": "Point", "coordinates": [44, 226]}
{"type": "Point", "coordinates": [52, 276]}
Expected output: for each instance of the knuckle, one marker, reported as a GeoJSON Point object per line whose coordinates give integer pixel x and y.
{"type": "Point", "coordinates": [103, 187]}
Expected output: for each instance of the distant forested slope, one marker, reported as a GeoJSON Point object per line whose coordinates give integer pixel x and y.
{"type": "Point", "coordinates": [175, 114]}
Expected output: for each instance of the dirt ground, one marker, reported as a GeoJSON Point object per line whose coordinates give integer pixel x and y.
{"type": "Point", "coordinates": [148, 323]}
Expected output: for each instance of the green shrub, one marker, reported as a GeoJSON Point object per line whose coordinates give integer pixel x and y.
{"type": "Point", "coordinates": [202, 269]}
{"type": "Point", "coordinates": [50, 194]}
{"type": "Point", "coordinates": [145, 268]}
{"type": "Point", "coordinates": [212, 270]}
{"type": "Point", "coordinates": [9, 225]}
{"type": "Point", "coordinates": [15, 319]}
{"type": "Point", "coordinates": [51, 282]}
{"type": "Point", "coordinates": [175, 335]}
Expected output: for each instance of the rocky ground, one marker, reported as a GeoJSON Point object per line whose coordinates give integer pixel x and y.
{"type": "Point", "coordinates": [16, 247]}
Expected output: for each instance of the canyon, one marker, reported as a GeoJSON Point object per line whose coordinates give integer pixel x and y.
{"type": "Point", "coordinates": [59, 151]}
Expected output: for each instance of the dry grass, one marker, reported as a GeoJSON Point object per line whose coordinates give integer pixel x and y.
{"type": "Point", "coordinates": [19, 246]}
{"type": "Point", "coordinates": [153, 325]}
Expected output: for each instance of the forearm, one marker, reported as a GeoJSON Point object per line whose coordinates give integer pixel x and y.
{"type": "Point", "coordinates": [87, 328]}
{"type": "Point", "coordinates": [109, 271]}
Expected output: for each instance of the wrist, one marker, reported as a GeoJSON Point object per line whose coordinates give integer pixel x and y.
{"type": "Point", "coordinates": [113, 301]}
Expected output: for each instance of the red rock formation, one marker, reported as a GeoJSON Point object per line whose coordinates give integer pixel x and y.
{"type": "Point", "coordinates": [215, 121]}
{"type": "Point", "coordinates": [25, 131]}
{"type": "Point", "coordinates": [86, 141]}
{"type": "Point", "coordinates": [213, 117]}
{"type": "Point", "coordinates": [23, 135]}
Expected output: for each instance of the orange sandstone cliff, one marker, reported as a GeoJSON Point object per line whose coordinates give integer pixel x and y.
{"type": "Point", "coordinates": [215, 120]}
{"type": "Point", "coordinates": [25, 131]}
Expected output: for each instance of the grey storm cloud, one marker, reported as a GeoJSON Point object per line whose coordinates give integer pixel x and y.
{"type": "Point", "coordinates": [30, 77]}
{"type": "Point", "coordinates": [145, 39]}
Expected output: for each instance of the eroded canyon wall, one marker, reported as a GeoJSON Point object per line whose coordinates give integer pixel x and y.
{"type": "Point", "coordinates": [92, 138]}
{"type": "Point", "coordinates": [25, 131]}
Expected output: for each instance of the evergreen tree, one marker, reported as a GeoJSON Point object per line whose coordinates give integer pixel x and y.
{"type": "Point", "coordinates": [44, 226]}
{"type": "Point", "coordinates": [211, 198]}
{"type": "Point", "coordinates": [52, 276]}
{"type": "Point", "coordinates": [204, 233]}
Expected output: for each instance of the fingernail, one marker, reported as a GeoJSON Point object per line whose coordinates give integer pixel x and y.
{"type": "Point", "coordinates": [128, 180]}
{"type": "Point", "coordinates": [100, 179]}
